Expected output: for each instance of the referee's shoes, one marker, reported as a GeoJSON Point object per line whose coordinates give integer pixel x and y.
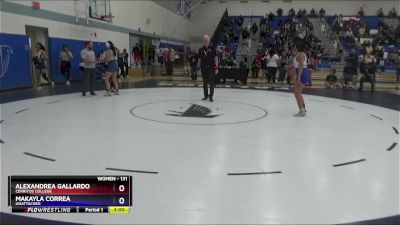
{"type": "Point", "coordinates": [205, 98]}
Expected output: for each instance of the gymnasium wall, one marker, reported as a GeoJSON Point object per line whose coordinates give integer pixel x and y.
{"type": "Point", "coordinates": [15, 24]}
{"type": "Point", "coordinates": [129, 14]}
{"type": "Point", "coordinates": [59, 34]}
{"type": "Point", "coordinates": [58, 17]}
{"type": "Point", "coordinates": [15, 61]}
{"type": "Point", "coordinates": [206, 17]}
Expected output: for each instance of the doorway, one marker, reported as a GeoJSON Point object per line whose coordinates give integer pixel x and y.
{"type": "Point", "coordinates": [38, 34]}
{"type": "Point", "coordinates": [147, 45]}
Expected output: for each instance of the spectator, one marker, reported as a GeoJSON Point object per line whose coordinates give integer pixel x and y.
{"type": "Point", "coordinates": [64, 63]}
{"type": "Point", "coordinates": [271, 17]}
{"type": "Point", "coordinates": [240, 21]}
{"type": "Point", "coordinates": [323, 27]}
{"type": "Point", "coordinates": [380, 58]}
{"type": "Point", "coordinates": [291, 13]}
{"type": "Point", "coordinates": [313, 13]}
{"type": "Point", "coordinates": [335, 44]}
{"type": "Point", "coordinates": [311, 61]}
{"type": "Point", "coordinates": [125, 57]}
{"type": "Point", "coordinates": [352, 58]}
{"type": "Point", "coordinates": [340, 20]}
{"type": "Point", "coordinates": [160, 56]}
{"type": "Point", "coordinates": [232, 62]}
{"type": "Point", "coordinates": [279, 12]}
{"type": "Point", "coordinates": [272, 65]}
{"type": "Point", "coordinates": [393, 13]}
{"type": "Point", "coordinates": [245, 33]}
{"type": "Point", "coordinates": [255, 67]}
{"type": "Point", "coordinates": [40, 66]}
{"type": "Point", "coordinates": [331, 80]}
{"type": "Point", "coordinates": [321, 14]}
{"type": "Point", "coordinates": [361, 12]}
{"type": "Point", "coordinates": [283, 62]}
{"type": "Point", "coordinates": [300, 13]}
{"type": "Point", "coordinates": [349, 34]}
{"type": "Point", "coordinates": [304, 13]}
{"type": "Point", "coordinates": [89, 66]}
{"type": "Point", "coordinates": [137, 55]}
{"type": "Point", "coordinates": [264, 62]}
{"type": "Point", "coordinates": [224, 61]}
{"type": "Point", "coordinates": [186, 69]}
{"type": "Point", "coordinates": [380, 13]}
{"type": "Point", "coordinates": [368, 71]}
{"type": "Point", "coordinates": [243, 63]}
{"type": "Point", "coordinates": [120, 61]}
{"type": "Point", "coordinates": [193, 60]}
{"type": "Point", "coordinates": [350, 69]}
{"type": "Point", "coordinates": [369, 48]}
{"type": "Point", "coordinates": [169, 61]}
{"type": "Point", "coordinates": [254, 28]}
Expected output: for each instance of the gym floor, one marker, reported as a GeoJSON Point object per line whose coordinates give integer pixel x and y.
{"type": "Point", "coordinates": [241, 159]}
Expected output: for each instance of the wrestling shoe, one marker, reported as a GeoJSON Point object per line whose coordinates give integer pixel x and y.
{"type": "Point", "coordinates": [301, 113]}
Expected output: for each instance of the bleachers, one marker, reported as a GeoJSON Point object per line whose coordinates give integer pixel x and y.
{"type": "Point", "coordinates": [372, 22]}
{"type": "Point", "coordinates": [325, 63]}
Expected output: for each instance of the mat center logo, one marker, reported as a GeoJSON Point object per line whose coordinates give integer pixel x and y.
{"type": "Point", "coordinates": [194, 111]}
{"type": "Point", "coordinates": [5, 55]}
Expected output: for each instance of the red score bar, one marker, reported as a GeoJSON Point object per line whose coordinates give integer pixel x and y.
{"type": "Point", "coordinates": [96, 189]}
{"type": "Point", "coordinates": [103, 188]}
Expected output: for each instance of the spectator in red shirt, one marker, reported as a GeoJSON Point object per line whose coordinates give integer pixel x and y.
{"type": "Point", "coordinates": [137, 55]}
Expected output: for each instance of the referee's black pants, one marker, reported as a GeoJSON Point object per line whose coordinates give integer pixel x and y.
{"type": "Point", "coordinates": [208, 79]}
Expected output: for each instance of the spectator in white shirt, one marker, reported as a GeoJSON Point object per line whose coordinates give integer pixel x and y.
{"type": "Point", "coordinates": [368, 71]}
{"type": "Point", "coordinates": [272, 65]}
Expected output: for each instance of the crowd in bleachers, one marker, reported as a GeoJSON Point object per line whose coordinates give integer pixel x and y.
{"type": "Point", "coordinates": [369, 37]}
{"type": "Point", "coordinates": [277, 37]}
{"type": "Point", "coordinates": [391, 14]}
{"type": "Point", "coordinates": [363, 37]}
{"type": "Point", "coordinates": [232, 29]}
{"type": "Point", "coordinates": [351, 31]}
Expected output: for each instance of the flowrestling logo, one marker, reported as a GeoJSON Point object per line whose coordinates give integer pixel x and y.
{"type": "Point", "coordinates": [5, 56]}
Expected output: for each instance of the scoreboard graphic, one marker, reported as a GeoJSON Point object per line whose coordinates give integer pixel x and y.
{"type": "Point", "coordinates": [70, 194]}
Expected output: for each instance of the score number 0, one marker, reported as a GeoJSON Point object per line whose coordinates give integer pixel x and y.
{"type": "Point", "coordinates": [121, 200]}
{"type": "Point", "coordinates": [121, 188]}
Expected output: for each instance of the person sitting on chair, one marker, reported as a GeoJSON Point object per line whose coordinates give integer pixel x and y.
{"type": "Point", "coordinates": [368, 71]}
{"type": "Point", "coordinates": [231, 64]}
{"type": "Point", "coordinates": [331, 79]}
{"type": "Point", "coordinates": [350, 69]}
{"type": "Point", "coordinates": [243, 65]}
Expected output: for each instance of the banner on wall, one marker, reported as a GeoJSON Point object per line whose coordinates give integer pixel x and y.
{"type": "Point", "coordinates": [15, 66]}
{"type": "Point", "coordinates": [75, 46]}
{"type": "Point", "coordinates": [177, 47]}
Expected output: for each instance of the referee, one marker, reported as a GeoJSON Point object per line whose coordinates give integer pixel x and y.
{"type": "Point", "coordinates": [208, 63]}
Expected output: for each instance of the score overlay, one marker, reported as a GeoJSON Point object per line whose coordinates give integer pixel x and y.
{"type": "Point", "coordinates": [70, 194]}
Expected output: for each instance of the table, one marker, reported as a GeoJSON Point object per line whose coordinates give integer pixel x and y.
{"type": "Point", "coordinates": [233, 73]}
